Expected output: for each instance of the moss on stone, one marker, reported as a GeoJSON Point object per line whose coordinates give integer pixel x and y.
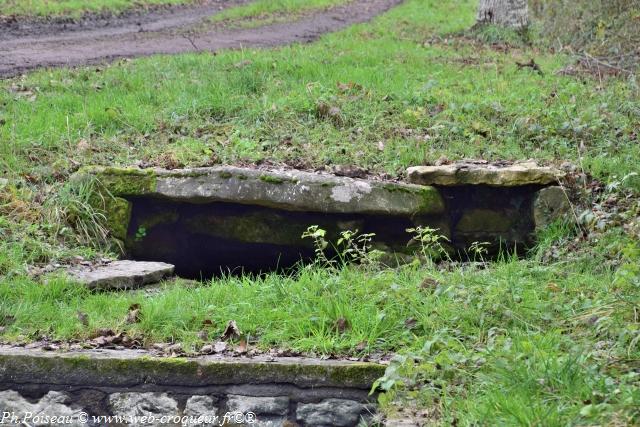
{"type": "Point", "coordinates": [159, 218]}
{"type": "Point", "coordinates": [272, 179]}
{"type": "Point", "coordinates": [123, 181]}
{"type": "Point", "coordinates": [118, 213]}
{"type": "Point", "coordinates": [123, 371]}
{"type": "Point", "coordinates": [432, 200]}
{"type": "Point", "coordinates": [484, 220]}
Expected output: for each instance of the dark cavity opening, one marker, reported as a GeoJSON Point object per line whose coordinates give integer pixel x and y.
{"type": "Point", "coordinates": [205, 240]}
{"type": "Point", "coordinates": [499, 216]}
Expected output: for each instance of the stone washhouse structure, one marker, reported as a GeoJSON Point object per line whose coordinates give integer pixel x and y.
{"type": "Point", "coordinates": [228, 219]}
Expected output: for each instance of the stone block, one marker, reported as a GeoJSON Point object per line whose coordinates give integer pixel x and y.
{"type": "Point", "coordinates": [53, 404]}
{"type": "Point", "coordinates": [484, 173]}
{"type": "Point", "coordinates": [153, 405]}
{"type": "Point", "coordinates": [550, 204]}
{"type": "Point", "coordinates": [259, 405]}
{"type": "Point", "coordinates": [330, 412]}
{"type": "Point", "coordinates": [122, 274]}
{"type": "Point", "coordinates": [201, 408]}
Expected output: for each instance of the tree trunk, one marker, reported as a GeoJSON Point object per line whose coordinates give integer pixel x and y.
{"type": "Point", "coordinates": [508, 13]}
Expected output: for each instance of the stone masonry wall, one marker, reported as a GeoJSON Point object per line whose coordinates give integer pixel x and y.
{"type": "Point", "coordinates": [130, 387]}
{"type": "Point", "coordinates": [93, 405]}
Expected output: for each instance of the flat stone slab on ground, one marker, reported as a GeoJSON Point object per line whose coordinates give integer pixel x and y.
{"type": "Point", "coordinates": [122, 274]}
{"type": "Point", "coordinates": [484, 173]}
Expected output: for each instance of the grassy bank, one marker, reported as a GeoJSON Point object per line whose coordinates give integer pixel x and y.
{"type": "Point", "coordinates": [264, 12]}
{"type": "Point", "coordinates": [404, 94]}
{"type": "Point", "coordinates": [74, 8]}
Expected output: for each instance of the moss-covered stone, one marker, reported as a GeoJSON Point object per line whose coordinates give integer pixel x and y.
{"type": "Point", "coordinates": [122, 182]}
{"type": "Point", "coordinates": [126, 368]}
{"type": "Point", "coordinates": [118, 215]}
{"type": "Point", "coordinates": [272, 179]}
{"type": "Point", "coordinates": [484, 220]}
{"type": "Point", "coordinates": [549, 205]}
{"type": "Point", "coordinates": [289, 190]}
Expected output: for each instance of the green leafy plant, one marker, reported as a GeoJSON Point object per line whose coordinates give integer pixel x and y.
{"type": "Point", "coordinates": [351, 247]}
{"type": "Point", "coordinates": [141, 233]}
{"type": "Point", "coordinates": [355, 247]}
{"type": "Point", "coordinates": [479, 251]}
{"type": "Point", "coordinates": [73, 215]}
{"type": "Point", "coordinates": [320, 243]}
{"type": "Point", "coordinates": [430, 241]}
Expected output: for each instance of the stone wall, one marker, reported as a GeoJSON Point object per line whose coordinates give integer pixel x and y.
{"type": "Point", "coordinates": [132, 387]}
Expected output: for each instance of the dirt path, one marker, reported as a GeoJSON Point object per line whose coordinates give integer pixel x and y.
{"type": "Point", "coordinates": [26, 47]}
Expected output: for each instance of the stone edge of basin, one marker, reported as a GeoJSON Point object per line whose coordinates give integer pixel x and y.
{"type": "Point", "coordinates": [130, 368]}
{"type": "Point", "coordinates": [484, 173]}
{"type": "Point", "coordinates": [281, 189]}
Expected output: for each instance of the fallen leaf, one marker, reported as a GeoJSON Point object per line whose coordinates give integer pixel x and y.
{"type": "Point", "coordinates": [341, 325]}
{"type": "Point", "coordinates": [134, 314]}
{"type": "Point", "coordinates": [242, 64]}
{"type": "Point", "coordinates": [242, 347]}
{"type": "Point", "coordinates": [429, 284]}
{"type": "Point", "coordinates": [553, 287]}
{"type": "Point", "coordinates": [83, 145]}
{"type": "Point", "coordinates": [231, 331]}
{"type": "Point", "coordinates": [83, 318]}
{"type": "Point", "coordinates": [410, 323]}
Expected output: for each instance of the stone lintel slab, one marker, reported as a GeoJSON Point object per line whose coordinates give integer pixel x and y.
{"type": "Point", "coordinates": [280, 189]}
{"type": "Point", "coordinates": [132, 368]}
{"type": "Point", "coordinates": [484, 173]}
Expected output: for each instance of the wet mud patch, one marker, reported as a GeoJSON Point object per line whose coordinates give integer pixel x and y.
{"type": "Point", "coordinates": [25, 48]}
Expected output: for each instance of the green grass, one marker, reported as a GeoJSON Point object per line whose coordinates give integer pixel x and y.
{"type": "Point", "coordinates": [269, 11]}
{"type": "Point", "coordinates": [73, 7]}
{"type": "Point", "coordinates": [410, 103]}
{"type": "Point", "coordinates": [551, 340]}
{"type": "Point", "coordinates": [522, 342]}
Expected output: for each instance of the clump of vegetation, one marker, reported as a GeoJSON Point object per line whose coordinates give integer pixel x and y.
{"type": "Point", "coordinates": [605, 29]}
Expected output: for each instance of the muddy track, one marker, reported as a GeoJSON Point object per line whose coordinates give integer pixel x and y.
{"type": "Point", "coordinates": [169, 31]}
